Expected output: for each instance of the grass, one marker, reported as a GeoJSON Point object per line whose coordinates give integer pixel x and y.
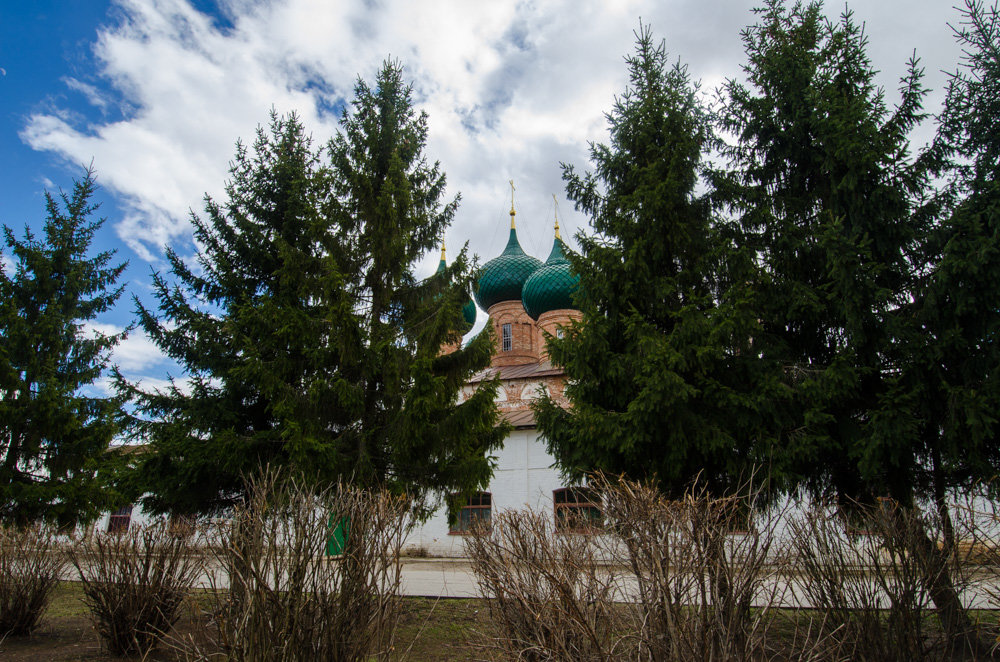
{"type": "Point", "coordinates": [436, 630]}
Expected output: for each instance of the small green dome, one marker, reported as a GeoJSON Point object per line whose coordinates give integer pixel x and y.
{"type": "Point", "coordinates": [469, 313]}
{"type": "Point", "coordinates": [503, 277]}
{"type": "Point", "coordinates": [468, 310]}
{"type": "Point", "coordinates": [552, 286]}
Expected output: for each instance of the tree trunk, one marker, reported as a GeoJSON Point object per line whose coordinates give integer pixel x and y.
{"type": "Point", "coordinates": [938, 581]}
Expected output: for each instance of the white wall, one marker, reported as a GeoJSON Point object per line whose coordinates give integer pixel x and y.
{"type": "Point", "coordinates": [523, 477]}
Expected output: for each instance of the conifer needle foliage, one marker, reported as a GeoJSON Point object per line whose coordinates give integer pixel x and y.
{"type": "Point", "coordinates": [659, 380]}
{"type": "Point", "coordinates": [306, 340]}
{"type": "Point", "coordinates": [55, 430]}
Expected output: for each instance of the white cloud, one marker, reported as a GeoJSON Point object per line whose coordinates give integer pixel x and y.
{"type": "Point", "coordinates": [133, 355]}
{"type": "Point", "coordinates": [94, 96]}
{"type": "Point", "coordinates": [512, 89]}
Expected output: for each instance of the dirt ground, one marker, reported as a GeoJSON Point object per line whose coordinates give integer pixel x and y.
{"type": "Point", "coordinates": [436, 630]}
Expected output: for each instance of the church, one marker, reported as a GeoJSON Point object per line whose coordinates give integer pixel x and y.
{"type": "Point", "coordinates": [526, 300]}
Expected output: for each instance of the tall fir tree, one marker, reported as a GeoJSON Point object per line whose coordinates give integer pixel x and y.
{"type": "Point", "coordinates": [876, 296]}
{"type": "Point", "coordinates": [409, 430]}
{"type": "Point", "coordinates": [306, 340]}
{"type": "Point", "coordinates": [825, 190]}
{"type": "Point", "coordinates": [949, 361]}
{"type": "Point", "coordinates": [659, 380]}
{"type": "Point", "coordinates": [55, 432]}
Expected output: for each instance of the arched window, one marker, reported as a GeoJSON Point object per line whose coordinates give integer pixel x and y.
{"type": "Point", "coordinates": [476, 511]}
{"type": "Point", "coordinates": [578, 509]}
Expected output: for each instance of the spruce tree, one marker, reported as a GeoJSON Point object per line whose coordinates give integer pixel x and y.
{"type": "Point", "coordinates": [952, 354]}
{"type": "Point", "coordinates": [408, 430]}
{"type": "Point", "coordinates": [945, 382]}
{"type": "Point", "coordinates": [864, 300]}
{"type": "Point", "coordinates": [946, 360]}
{"type": "Point", "coordinates": [824, 189]}
{"type": "Point", "coordinates": [659, 378]}
{"type": "Point", "coordinates": [55, 431]}
{"type": "Point", "coordinates": [306, 340]}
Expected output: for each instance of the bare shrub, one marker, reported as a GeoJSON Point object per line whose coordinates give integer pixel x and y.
{"type": "Point", "coordinates": [871, 574]}
{"type": "Point", "coordinates": [134, 583]}
{"type": "Point", "coordinates": [693, 579]}
{"type": "Point", "coordinates": [705, 571]}
{"type": "Point", "coordinates": [281, 597]}
{"type": "Point", "coordinates": [550, 596]}
{"type": "Point", "coordinates": [30, 566]}
{"type": "Point", "coordinates": [977, 553]}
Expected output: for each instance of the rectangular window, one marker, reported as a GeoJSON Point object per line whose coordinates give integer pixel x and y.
{"type": "Point", "coordinates": [181, 526]}
{"type": "Point", "coordinates": [120, 519]}
{"type": "Point", "coordinates": [577, 509]}
{"type": "Point", "coordinates": [476, 512]}
{"type": "Point", "coordinates": [507, 338]}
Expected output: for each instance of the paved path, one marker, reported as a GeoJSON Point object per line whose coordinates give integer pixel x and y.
{"type": "Point", "coordinates": [446, 578]}
{"type": "Point", "coordinates": [453, 578]}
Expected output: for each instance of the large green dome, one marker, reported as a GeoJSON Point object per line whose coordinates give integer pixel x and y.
{"type": "Point", "coordinates": [552, 286]}
{"type": "Point", "coordinates": [503, 277]}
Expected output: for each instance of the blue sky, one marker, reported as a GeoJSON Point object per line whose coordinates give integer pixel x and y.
{"type": "Point", "coordinates": [156, 92]}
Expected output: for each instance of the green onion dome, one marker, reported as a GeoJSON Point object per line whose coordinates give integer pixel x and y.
{"type": "Point", "coordinates": [503, 277]}
{"type": "Point", "coordinates": [469, 309]}
{"type": "Point", "coordinates": [469, 313]}
{"type": "Point", "coordinates": [551, 287]}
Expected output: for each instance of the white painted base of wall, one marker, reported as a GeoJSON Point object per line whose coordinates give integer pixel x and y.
{"type": "Point", "coordinates": [523, 478]}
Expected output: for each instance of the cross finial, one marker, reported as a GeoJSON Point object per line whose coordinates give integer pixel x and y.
{"type": "Point", "coordinates": [512, 212]}
{"type": "Point", "coordinates": [555, 212]}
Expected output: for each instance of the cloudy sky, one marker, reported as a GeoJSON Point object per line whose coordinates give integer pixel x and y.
{"type": "Point", "coordinates": [155, 94]}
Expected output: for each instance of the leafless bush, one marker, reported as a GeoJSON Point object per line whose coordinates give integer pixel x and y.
{"type": "Point", "coordinates": [134, 583]}
{"type": "Point", "coordinates": [550, 596]}
{"type": "Point", "coordinates": [693, 579]}
{"type": "Point", "coordinates": [977, 552]}
{"type": "Point", "coordinates": [280, 597]}
{"type": "Point", "coordinates": [30, 566]}
{"type": "Point", "coordinates": [705, 572]}
{"type": "Point", "coordinates": [873, 574]}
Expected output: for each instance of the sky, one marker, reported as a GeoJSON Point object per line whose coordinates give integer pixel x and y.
{"type": "Point", "coordinates": [155, 93]}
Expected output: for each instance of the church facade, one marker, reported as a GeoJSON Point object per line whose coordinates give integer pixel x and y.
{"type": "Point", "coordinates": [526, 300]}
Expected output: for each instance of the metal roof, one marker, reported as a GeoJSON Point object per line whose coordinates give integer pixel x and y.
{"type": "Point", "coordinates": [520, 419]}
{"type": "Point", "coordinates": [527, 371]}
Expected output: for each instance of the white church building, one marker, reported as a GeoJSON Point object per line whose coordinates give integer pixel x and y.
{"type": "Point", "coordinates": [525, 300]}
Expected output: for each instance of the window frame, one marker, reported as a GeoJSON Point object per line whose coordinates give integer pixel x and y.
{"type": "Point", "coordinates": [506, 337]}
{"type": "Point", "coordinates": [457, 525]}
{"type": "Point", "coordinates": [120, 520]}
{"type": "Point", "coordinates": [585, 499]}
